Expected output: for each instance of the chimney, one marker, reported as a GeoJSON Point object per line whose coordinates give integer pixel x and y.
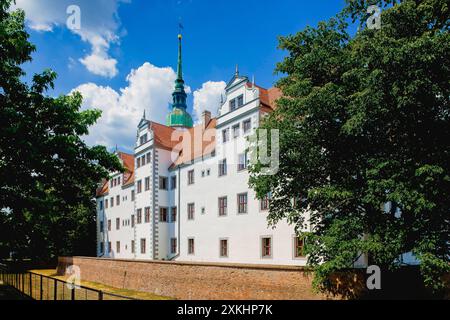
{"type": "Point", "coordinates": [206, 118]}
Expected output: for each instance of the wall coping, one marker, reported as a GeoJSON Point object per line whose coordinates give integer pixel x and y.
{"type": "Point", "coordinates": [202, 264]}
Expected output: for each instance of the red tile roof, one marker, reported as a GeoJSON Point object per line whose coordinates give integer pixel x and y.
{"type": "Point", "coordinates": [267, 97]}
{"type": "Point", "coordinates": [197, 142]}
{"type": "Point", "coordinates": [202, 141]}
{"type": "Point", "coordinates": [162, 135]}
{"type": "Point", "coordinates": [128, 175]}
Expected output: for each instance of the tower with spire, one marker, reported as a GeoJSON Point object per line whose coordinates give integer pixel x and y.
{"type": "Point", "coordinates": [179, 117]}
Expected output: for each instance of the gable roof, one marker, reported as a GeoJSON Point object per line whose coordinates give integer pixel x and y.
{"type": "Point", "coordinates": [128, 175]}
{"type": "Point", "coordinates": [162, 135]}
{"type": "Point", "coordinates": [201, 142]}
{"type": "Point", "coordinates": [267, 97]}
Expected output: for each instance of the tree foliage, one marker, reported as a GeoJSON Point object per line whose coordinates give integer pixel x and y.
{"type": "Point", "coordinates": [364, 122]}
{"type": "Point", "coordinates": [48, 174]}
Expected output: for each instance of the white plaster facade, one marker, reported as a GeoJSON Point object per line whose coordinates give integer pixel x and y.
{"type": "Point", "coordinates": [247, 235]}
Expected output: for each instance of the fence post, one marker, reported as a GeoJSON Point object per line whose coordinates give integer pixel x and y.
{"type": "Point", "coordinates": [100, 295]}
{"type": "Point", "coordinates": [73, 293]}
{"type": "Point", "coordinates": [40, 289]}
{"type": "Point", "coordinates": [31, 285]}
{"type": "Point", "coordinates": [55, 289]}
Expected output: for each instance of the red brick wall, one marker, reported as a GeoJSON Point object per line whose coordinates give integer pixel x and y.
{"type": "Point", "coordinates": [185, 280]}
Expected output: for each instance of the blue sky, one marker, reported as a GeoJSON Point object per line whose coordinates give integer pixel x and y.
{"type": "Point", "coordinates": [119, 36]}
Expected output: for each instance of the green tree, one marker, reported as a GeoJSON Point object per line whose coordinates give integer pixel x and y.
{"type": "Point", "coordinates": [48, 174]}
{"type": "Point", "coordinates": [365, 121]}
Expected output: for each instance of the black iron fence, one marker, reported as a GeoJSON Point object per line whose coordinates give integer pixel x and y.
{"type": "Point", "coordinates": [40, 287]}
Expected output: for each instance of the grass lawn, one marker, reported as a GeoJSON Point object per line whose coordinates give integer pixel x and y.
{"type": "Point", "coordinates": [82, 294]}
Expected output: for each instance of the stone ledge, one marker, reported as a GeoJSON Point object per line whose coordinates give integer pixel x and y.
{"type": "Point", "coordinates": [205, 264]}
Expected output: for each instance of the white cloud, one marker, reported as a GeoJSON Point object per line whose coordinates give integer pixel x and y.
{"type": "Point", "coordinates": [99, 27]}
{"type": "Point", "coordinates": [149, 88]}
{"type": "Point", "coordinates": [208, 98]}
{"type": "Point", "coordinates": [99, 63]}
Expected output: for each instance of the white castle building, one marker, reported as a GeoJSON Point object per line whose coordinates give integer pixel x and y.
{"type": "Point", "coordinates": [185, 194]}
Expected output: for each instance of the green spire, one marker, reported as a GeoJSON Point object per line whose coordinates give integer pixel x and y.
{"type": "Point", "coordinates": [180, 62]}
{"type": "Point", "coordinates": [179, 117]}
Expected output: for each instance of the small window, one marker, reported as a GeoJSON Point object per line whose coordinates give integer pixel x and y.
{"type": "Point", "coordinates": [147, 214]}
{"type": "Point", "coordinates": [191, 211]}
{"type": "Point", "coordinates": [143, 246]}
{"type": "Point", "coordinates": [163, 214]}
{"type": "Point", "coordinates": [101, 226]}
{"type": "Point", "coordinates": [117, 223]}
{"type": "Point", "coordinates": [109, 225]}
{"type": "Point", "coordinates": [112, 202]}
{"type": "Point", "coordinates": [139, 186]}
{"type": "Point", "coordinates": [173, 214]}
{"type": "Point", "coordinates": [133, 249]}
{"type": "Point", "coordinates": [236, 129]}
{"type": "Point", "coordinates": [264, 203]}
{"type": "Point", "coordinates": [223, 167]}
{"type": "Point", "coordinates": [101, 205]}
{"type": "Point", "coordinates": [118, 181]}
{"type": "Point", "coordinates": [223, 248]}
{"type": "Point", "coordinates": [203, 173]}
{"type": "Point", "coordinates": [242, 203]}
{"type": "Point", "coordinates": [203, 211]}
{"type": "Point", "coordinates": [247, 126]}
{"type": "Point", "coordinates": [173, 245]}
{"type": "Point", "coordinates": [223, 206]}
{"type": "Point", "coordinates": [139, 216]}
{"type": "Point", "coordinates": [163, 183]}
{"type": "Point", "coordinates": [149, 157]}
{"type": "Point", "coordinates": [112, 183]}
{"type": "Point", "coordinates": [147, 183]}
{"type": "Point", "coordinates": [242, 161]}
{"type": "Point", "coordinates": [173, 182]}
{"type": "Point", "coordinates": [118, 200]}
{"type": "Point", "coordinates": [225, 135]}
{"type": "Point", "coordinates": [143, 160]}
{"type": "Point", "coordinates": [208, 172]}
{"type": "Point", "coordinates": [109, 247]}
{"type": "Point", "coordinates": [132, 195]}
{"type": "Point", "coordinates": [118, 246]}
{"type": "Point", "coordinates": [266, 247]}
{"type": "Point", "coordinates": [233, 105]}
{"type": "Point", "coordinates": [132, 220]}
{"type": "Point", "coordinates": [106, 203]}
{"type": "Point", "coordinates": [299, 247]}
{"type": "Point", "coordinates": [102, 247]}
{"type": "Point", "coordinates": [143, 139]}
{"type": "Point", "coordinates": [240, 101]}
{"type": "Point", "coordinates": [191, 179]}
{"type": "Point", "coordinates": [191, 248]}
{"type": "Point", "coordinates": [138, 162]}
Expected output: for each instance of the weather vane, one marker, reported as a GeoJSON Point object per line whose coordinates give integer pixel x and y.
{"type": "Point", "coordinates": [180, 27]}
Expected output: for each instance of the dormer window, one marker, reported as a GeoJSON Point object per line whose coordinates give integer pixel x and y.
{"type": "Point", "coordinates": [240, 101]}
{"type": "Point", "coordinates": [236, 103]}
{"type": "Point", "coordinates": [143, 139]}
{"type": "Point", "coordinates": [233, 105]}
